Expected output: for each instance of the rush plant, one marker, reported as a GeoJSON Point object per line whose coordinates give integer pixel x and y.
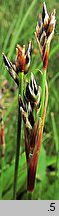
{"type": "Point", "coordinates": [32, 99]}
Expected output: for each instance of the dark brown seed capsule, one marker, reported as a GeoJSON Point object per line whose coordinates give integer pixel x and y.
{"type": "Point", "coordinates": [21, 104]}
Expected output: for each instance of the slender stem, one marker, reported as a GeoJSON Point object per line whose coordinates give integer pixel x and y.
{"type": "Point", "coordinates": [17, 154]}
{"type": "Point", "coordinates": [18, 137]}
{"type": "Point", "coordinates": [43, 91]}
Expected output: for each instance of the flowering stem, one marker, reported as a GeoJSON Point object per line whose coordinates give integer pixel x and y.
{"type": "Point", "coordinates": [21, 76]}
{"type": "Point", "coordinates": [34, 161]}
{"type": "Point", "coordinates": [43, 91]}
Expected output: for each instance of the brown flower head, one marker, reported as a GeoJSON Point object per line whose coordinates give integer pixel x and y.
{"type": "Point", "coordinates": [44, 33]}
{"type": "Point", "coordinates": [22, 61]}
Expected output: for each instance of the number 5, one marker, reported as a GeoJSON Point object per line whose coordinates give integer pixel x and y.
{"type": "Point", "coordinates": [52, 206]}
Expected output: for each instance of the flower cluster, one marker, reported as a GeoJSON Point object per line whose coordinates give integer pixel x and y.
{"type": "Point", "coordinates": [22, 61]}
{"type": "Point", "coordinates": [31, 102]}
{"type": "Point", "coordinates": [44, 33]}
{"type": "Point", "coordinates": [32, 97]}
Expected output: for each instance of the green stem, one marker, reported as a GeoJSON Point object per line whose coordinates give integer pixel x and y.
{"type": "Point", "coordinates": [21, 75]}
{"type": "Point", "coordinates": [43, 91]}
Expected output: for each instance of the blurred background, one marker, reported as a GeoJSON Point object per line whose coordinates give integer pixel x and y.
{"type": "Point", "coordinates": [18, 21]}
